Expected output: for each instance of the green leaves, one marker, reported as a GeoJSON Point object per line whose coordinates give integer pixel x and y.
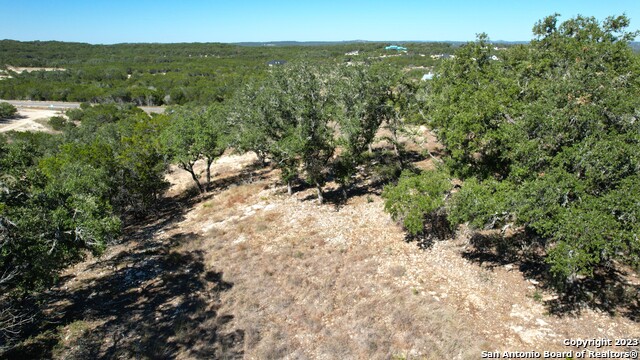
{"type": "Point", "coordinates": [547, 138]}
{"type": "Point", "coordinates": [301, 115]}
{"type": "Point", "coordinates": [287, 118]}
{"type": "Point", "coordinates": [481, 203]}
{"type": "Point", "coordinates": [49, 219]}
{"type": "Point", "coordinates": [470, 108]}
{"type": "Point", "coordinates": [364, 101]}
{"type": "Point", "coordinates": [7, 110]}
{"type": "Point", "coordinates": [64, 195]}
{"type": "Point", "coordinates": [195, 133]}
{"type": "Point", "coordinates": [416, 197]}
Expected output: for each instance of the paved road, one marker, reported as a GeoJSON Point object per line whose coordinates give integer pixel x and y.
{"type": "Point", "coordinates": [61, 105]}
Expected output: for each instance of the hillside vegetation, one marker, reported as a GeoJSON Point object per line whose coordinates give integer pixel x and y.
{"type": "Point", "coordinates": [546, 140]}
{"type": "Point", "coordinates": [280, 176]}
{"type": "Point", "coordinates": [169, 74]}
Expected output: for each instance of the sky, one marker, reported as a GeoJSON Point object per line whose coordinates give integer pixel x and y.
{"type": "Point", "coordinates": [164, 21]}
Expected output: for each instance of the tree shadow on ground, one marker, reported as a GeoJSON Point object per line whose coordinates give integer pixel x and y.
{"type": "Point", "coordinates": [16, 116]}
{"type": "Point", "coordinates": [607, 291]}
{"type": "Point", "coordinates": [249, 174]}
{"type": "Point", "coordinates": [383, 167]}
{"type": "Point", "coordinates": [437, 228]}
{"type": "Point", "coordinates": [149, 301]}
{"type": "Point", "coordinates": [10, 119]}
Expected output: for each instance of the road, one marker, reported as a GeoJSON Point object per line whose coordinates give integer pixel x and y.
{"type": "Point", "coordinates": [61, 105]}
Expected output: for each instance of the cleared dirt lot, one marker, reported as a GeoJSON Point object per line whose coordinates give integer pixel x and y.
{"type": "Point", "coordinates": [20, 70]}
{"type": "Point", "coordinates": [65, 105]}
{"type": "Point", "coordinates": [29, 120]}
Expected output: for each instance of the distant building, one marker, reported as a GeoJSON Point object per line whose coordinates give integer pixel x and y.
{"type": "Point", "coordinates": [396, 47]}
{"type": "Point", "coordinates": [427, 76]}
{"type": "Point", "coordinates": [276, 62]}
{"type": "Point", "coordinates": [442, 56]}
{"type": "Point", "coordinates": [352, 53]}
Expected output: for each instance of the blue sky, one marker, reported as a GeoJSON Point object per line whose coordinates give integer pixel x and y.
{"type": "Point", "coordinates": [116, 21]}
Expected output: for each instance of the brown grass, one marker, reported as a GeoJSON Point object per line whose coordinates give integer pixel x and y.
{"type": "Point", "coordinates": [281, 277]}
{"type": "Point", "coordinates": [300, 294]}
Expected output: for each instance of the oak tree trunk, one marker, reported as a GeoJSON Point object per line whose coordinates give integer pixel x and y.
{"type": "Point", "coordinates": [320, 194]}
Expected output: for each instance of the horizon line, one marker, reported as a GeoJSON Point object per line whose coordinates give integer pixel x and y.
{"type": "Point", "coordinates": [272, 41]}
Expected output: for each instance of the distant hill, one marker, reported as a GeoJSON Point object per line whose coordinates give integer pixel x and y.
{"type": "Point", "coordinates": [635, 45]}
{"type": "Point", "coordinates": [346, 42]}
{"type": "Point", "coordinates": [302, 43]}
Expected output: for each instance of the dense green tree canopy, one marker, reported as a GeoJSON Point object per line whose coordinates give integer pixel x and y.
{"type": "Point", "coordinates": [292, 113]}
{"type": "Point", "coordinates": [365, 101]}
{"type": "Point", "coordinates": [193, 134]}
{"type": "Point", "coordinates": [46, 221]}
{"type": "Point", "coordinates": [315, 122]}
{"type": "Point", "coordinates": [547, 137]}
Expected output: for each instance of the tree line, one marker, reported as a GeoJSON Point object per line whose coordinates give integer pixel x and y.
{"type": "Point", "coordinates": [168, 74]}
{"type": "Point", "coordinates": [313, 123]}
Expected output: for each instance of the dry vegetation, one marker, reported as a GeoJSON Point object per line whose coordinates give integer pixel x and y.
{"type": "Point", "coordinates": [248, 272]}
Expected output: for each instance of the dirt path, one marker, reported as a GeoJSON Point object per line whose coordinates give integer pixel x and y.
{"type": "Point", "coordinates": [29, 120]}
{"type": "Point", "coordinates": [65, 105]}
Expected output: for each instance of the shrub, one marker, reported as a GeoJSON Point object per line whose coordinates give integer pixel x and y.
{"type": "Point", "coordinates": [416, 198]}
{"type": "Point", "coordinates": [7, 110]}
{"type": "Point", "coordinates": [58, 123]}
{"type": "Point", "coordinates": [75, 114]}
{"type": "Point", "coordinates": [481, 203]}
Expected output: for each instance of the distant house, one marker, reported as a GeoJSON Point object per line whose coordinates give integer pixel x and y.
{"type": "Point", "coordinates": [395, 47]}
{"type": "Point", "coordinates": [442, 56]}
{"type": "Point", "coordinates": [352, 53]}
{"type": "Point", "coordinates": [427, 76]}
{"type": "Point", "coordinates": [276, 62]}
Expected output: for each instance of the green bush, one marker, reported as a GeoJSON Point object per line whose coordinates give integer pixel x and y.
{"type": "Point", "coordinates": [7, 110]}
{"type": "Point", "coordinates": [415, 198]}
{"type": "Point", "coordinates": [481, 203]}
{"type": "Point", "coordinates": [58, 123]}
{"type": "Point", "coordinates": [75, 114]}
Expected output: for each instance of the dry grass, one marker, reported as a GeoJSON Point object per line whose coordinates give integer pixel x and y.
{"type": "Point", "coordinates": [312, 282]}
{"type": "Point", "coordinates": [295, 280]}
{"type": "Point", "coordinates": [306, 287]}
